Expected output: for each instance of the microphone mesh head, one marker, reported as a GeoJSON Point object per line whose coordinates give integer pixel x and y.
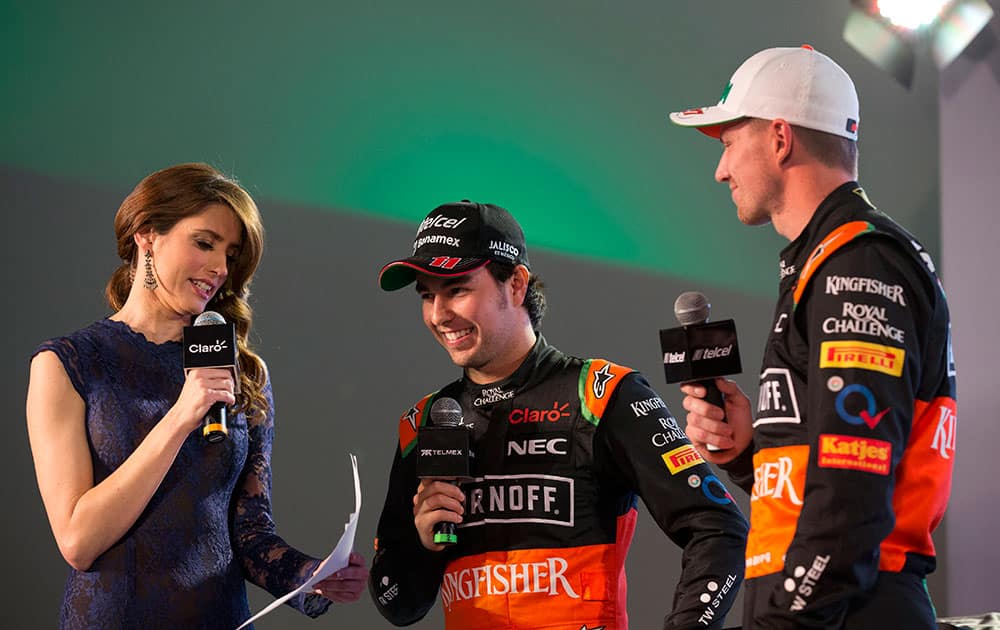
{"type": "Point", "coordinates": [209, 318]}
{"type": "Point", "coordinates": [446, 412]}
{"type": "Point", "coordinates": [691, 307]}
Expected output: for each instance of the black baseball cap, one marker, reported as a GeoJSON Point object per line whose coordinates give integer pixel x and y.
{"type": "Point", "coordinates": [456, 239]}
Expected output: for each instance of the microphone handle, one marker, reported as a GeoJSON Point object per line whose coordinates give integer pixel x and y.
{"type": "Point", "coordinates": [215, 428]}
{"type": "Point", "coordinates": [715, 397]}
{"type": "Point", "coordinates": [444, 531]}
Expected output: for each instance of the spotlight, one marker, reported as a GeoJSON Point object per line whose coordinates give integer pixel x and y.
{"type": "Point", "coordinates": [888, 32]}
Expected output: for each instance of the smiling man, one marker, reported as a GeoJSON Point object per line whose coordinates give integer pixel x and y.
{"type": "Point", "coordinates": [562, 446]}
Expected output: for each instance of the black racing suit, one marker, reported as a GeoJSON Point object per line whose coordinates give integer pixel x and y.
{"type": "Point", "coordinates": [561, 450]}
{"type": "Point", "coordinates": [855, 431]}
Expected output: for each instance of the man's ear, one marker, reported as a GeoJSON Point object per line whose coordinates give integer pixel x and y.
{"type": "Point", "coordinates": [782, 138]}
{"type": "Point", "coordinates": [519, 284]}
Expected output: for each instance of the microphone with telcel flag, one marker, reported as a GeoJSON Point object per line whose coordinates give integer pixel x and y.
{"type": "Point", "coordinates": [698, 352]}
{"type": "Point", "coordinates": [211, 343]}
{"type": "Point", "coordinates": [444, 454]}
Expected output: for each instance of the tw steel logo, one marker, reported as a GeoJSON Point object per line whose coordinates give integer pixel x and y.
{"type": "Point", "coordinates": [526, 414]}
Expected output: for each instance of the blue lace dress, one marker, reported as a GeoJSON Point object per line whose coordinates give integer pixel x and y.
{"type": "Point", "coordinates": [208, 526]}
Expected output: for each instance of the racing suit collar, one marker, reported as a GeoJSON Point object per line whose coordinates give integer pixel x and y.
{"type": "Point", "coordinates": [527, 373]}
{"type": "Point", "coordinates": [823, 220]}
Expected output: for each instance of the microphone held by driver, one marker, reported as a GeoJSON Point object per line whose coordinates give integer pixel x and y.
{"type": "Point", "coordinates": [444, 453]}
{"type": "Point", "coordinates": [698, 352]}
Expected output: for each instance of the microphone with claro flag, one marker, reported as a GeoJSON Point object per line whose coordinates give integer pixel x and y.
{"type": "Point", "coordinates": [698, 352]}
{"type": "Point", "coordinates": [211, 343]}
{"type": "Point", "coordinates": [444, 454]}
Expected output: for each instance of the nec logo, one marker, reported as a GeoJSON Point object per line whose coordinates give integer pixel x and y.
{"type": "Point", "coordinates": [537, 446]}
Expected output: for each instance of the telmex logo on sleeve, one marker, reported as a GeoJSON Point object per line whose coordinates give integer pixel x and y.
{"type": "Point", "coordinates": [863, 355]}
{"type": "Point", "coordinates": [681, 458]}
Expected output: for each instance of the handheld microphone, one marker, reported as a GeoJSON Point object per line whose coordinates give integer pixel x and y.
{"type": "Point", "coordinates": [211, 343]}
{"type": "Point", "coordinates": [444, 453]}
{"type": "Point", "coordinates": [699, 352]}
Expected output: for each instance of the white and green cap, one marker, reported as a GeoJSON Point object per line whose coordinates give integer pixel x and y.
{"type": "Point", "coordinates": [800, 85]}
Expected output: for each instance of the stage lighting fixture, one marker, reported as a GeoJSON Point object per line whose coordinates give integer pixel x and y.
{"type": "Point", "coordinates": [889, 32]}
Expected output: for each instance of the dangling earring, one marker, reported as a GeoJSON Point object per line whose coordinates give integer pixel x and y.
{"type": "Point", "coordinates": [150, 280]}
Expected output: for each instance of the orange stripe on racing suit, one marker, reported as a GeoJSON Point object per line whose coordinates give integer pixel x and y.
{"type": "Point", "coordinates": [927, 460]}
{"type": "Point", "coordinates": [499, 590]}
{"type": "Point", "coordinates": [776, 501]}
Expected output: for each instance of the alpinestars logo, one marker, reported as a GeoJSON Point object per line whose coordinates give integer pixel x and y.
{"type": "Point", "coordinates": [411, 417]}
{"type": "Point", "coordinates": [602, 377]}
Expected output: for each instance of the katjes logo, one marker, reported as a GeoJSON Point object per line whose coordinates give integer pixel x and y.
{"type": "Point", "coordinates": [853, 453]}
{"type": "Point", "coordinates": [201, 348]}
{"type": "Point", "coordinates": [526, 414]}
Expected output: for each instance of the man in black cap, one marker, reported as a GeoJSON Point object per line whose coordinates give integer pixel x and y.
{"type": "Point", "coordinates": [562, 448]}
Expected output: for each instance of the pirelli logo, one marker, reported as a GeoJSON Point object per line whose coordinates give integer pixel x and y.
{"type": "Point", "coordinates": [862, 355]}
{"type": "Point", "coordinates": [854, 453]}
{"type": "Point", "coordinates": [681, 458]}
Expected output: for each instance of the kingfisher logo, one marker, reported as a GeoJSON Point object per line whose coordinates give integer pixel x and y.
{"type": "Point", "coordinates": [681, 458]}
{"type": "Point", "coordinates": [524, 414]}
{"type": "Point", "coordinates": [546, 577]}
{"type": "Point", "coordinates": [862, 355]}
{"type": "Point", "coordinates": [776, 480]}
{"type": "Point", "coordinates": [944, 434]}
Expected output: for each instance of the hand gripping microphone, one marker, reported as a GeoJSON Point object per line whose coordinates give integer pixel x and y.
{"type": "Point", "coordinates": [211, 343]}
{"type": "Point", "coordinates": [444, 454]}
{"type": "Point", "coordinates": [699, 352]}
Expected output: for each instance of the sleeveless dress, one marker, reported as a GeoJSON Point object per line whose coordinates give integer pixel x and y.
{"type": "Point", "coordinates": [208, 526]}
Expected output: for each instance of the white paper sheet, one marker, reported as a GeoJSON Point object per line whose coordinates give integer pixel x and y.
{"type": "Point", "coordinates": [337, 559]}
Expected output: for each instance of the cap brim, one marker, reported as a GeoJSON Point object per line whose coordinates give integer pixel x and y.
{"type": "Point", "coordinates": [708, 120]}
{"type": "Point", "coordinates": [400, 273]}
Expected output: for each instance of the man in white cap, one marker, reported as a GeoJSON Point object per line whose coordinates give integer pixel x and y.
{"type": "Point", "coordinates": [849, 459]}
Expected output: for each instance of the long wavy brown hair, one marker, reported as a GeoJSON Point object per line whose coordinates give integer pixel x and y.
{"type": "Point", "coordinates": [157, 203]}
